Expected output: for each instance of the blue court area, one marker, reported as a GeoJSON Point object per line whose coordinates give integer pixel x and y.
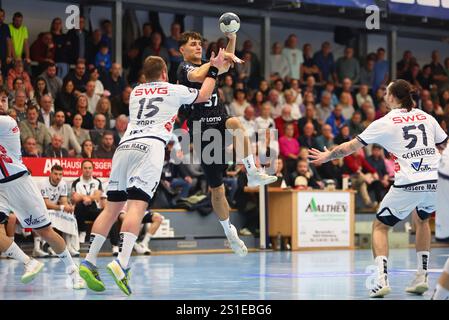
{"type": "Point", "coordinates": [260, 275]}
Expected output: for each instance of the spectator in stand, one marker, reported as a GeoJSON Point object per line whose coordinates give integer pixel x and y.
{"type": "Point", "coordinates": [2, 81]}
{"type": "Point", "coordinates": [444, 98]}
{"type": "Point", "coordinates": [363, 96]}
{"type": "Point", "coordinates": [425, 78]}
{"type": "Point", "coordinates": [103, 60]}
{"type": "Point", "coordinates": [332, 170]}
{"type": "Point", "coordinates": [330, 88]}
{"type": "Point", "coordinates": [294, 56]}
{"type": "Point", "coordinates": [344, 135]}
{"type": "Point", "coordinates": [107, 33]}
{"type": "Point", "coordinates": [17, 85]}
{"type": "Point", "coordinates": [40, 90]}
{"type": "Point", "coordinates": [382, 110]}
{"type": "Point", "coordinates": [348, 67]}
{"type": "Point", "coordinates": [294, 85]}
{"type": "Point", "coordinates": [55, 149]}
{"type": "Point", "coordinates": [239, 104]}
{"type": "Point", "coordinates": [284, 119]}
{"type": "Point", "coordinates": [326, 139]}
{"type": "Point", "coordinates": [439, 76]}
{"type": "Point", "coordinates": [279, 67]}
{"type": "Point", "coordinates": [309, 117]}
{"type": "Point", "coordinates": [228, 89]}
{"type": "Point", "coordinates": [303, 176]}
{"type": "Point", "coordinates": [404, 64]}
{"type": "Point", "coordinates": [106, 149]}
{"type": "Point", "coordinates": [290, 100]}
{"type": "Point", "coordinates": [412, 76]}
{"type": "Point", "coordinates": [367, 73]}
{"type": "Point", "coordinates": [66, 100]}
{"type": "Point", "coordinates": [81, 134]}
{"type": "Point", "coordinates": [156, 49]}
{"type": "Point", "coordinates": [92, 98]}
{"type": "Point", "coordinates": [324, 108]}
{"type": "Point", "coordinates": [17, 71]}
{"type": "Point", "coordinates": [114, 81]}
{"type": "Point", "coordinates": [145, 40]}
{"type": "Point", "coordinates": [54, 83]}
{"type": "Point", "coordinates": [308, 67]}
{"type": "Point", "coordinates": [77, 43]}
{"type": "Point", "coordinates": [381, 73]}
{"type": "Point", "coordinates": [6, 47]}
{"type": "Point", "coordinates": [336, 119]}
{"type": "Point", "coordinates": [19, 38]}
{"type": "Point", "coordinates": [120, 104]}
{"type": "Point", "coordinates": [94, 76]}
{"type": "Point", "coordinates": [289, 147]}
{"type": "Point", "coordinates": [346, 87]}
{"type": "Point", "coordinates": [264, 121]}
{"type": "Point", "coordinates": [355, 124]}
{"type": "Point", "coordinates": [99, 129]}
{"type": "Point", "coordinates": [379, 96]}
{"type": "Point", "coordinates": [70, 141]}
{"type": "Point", "coordinates": [81, 108]}
{"type": "Point", "coordinates": [79, 78]}
{"type": "Point", "coordinates": [377, 161]}
{"type": "Point", "coordinates": [171, 43]}
{"type": "Point", "coordinates": [324, 60]}
{"type": "Point", "coordinates": [275, 105]}
{"type": "Point", "coordinates": [370, 117]}
{"type": "Point", "coordinates": [362, 175]}
{"type": "Point", "coordinates": [252, 61]}
{"type": "Point", "coordinates": [31, 127]}
{"type": "Point", "coordinates": [258, 101]}
{"type": "Point", "coordinates": [310, 87]}
{"type": "Point", "coordinates": [87, 150]}
{"type": "Point", "coordinates": [346, 103]}
{"type": "Point", "coordinates": [20, 105]}
{"type": "Point", "coordinates": [424, 96]}
{"type": "Point", "coordinates": [46, 114]}
{"type": "Point", "coordinates": [103, 107]}
{"type": "Point", "coordinates": [121, 123]}
{"type": "Point", "coordinates": [307, 139]}
{"type": "Point", "coordinates": [60, 40]}
{"type": "Point", "coordinates": [43, 51]}
{"type": "Point", "coordinates": [248, 122]}
{"type": "Point", "coordinates": [30, 149]}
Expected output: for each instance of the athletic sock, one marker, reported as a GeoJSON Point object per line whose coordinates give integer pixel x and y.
{"type": "Point", "coordinates": [37, 243]}
{"type": "Point", "coordinates": [423, 261]}
{"type": "Point", "coordinates": [67, 259]}
{"type": "Point", "coordinates": [126, 246]}
{"type": "Point", "coordinates": [17, 254]}
{"type": "Point", "coordinates": [146, 239]}
{"type": "Point", "coordinates": [440, 293]}
{"type": "Point", "coordinates": [226, 225]}
{"type": "Point", "coordinates": [249, 164]}
{"type": "Point", "coordinates": [382, 265]}
{"type": "Point", "coordinates": [95, 244]}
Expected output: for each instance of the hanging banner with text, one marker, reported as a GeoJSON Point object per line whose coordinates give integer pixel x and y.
{"type": "Point", "coordinates": [41, 167]}
{"type": "Point", "coordinates": [324, 219]}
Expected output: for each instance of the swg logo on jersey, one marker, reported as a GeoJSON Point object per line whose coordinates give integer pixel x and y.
{"type": "Point", "coordinates": [418, 166]}
{"type": "Point", "coordinates": [31, 222]}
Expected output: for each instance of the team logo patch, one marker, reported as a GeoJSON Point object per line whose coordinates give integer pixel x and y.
{"type": "Point", "coordinates": [418, 166]}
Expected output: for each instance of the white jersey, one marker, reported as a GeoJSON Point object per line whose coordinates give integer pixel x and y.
{"type": "Point", "coordinates": [412, 138]}
{"type": "Point", "coordinates": [10, 153]}
{"type": "Point", "coordinates": [153, 108]}
{"type": "Point", "coordinates": [53, 193]}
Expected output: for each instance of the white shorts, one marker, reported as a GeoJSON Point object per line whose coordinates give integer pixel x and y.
{"type": "Point", "coordinates": [442, 214]}
{"type": "Point", "coordinates": [136, 170]}
{"type": "Point", "coordinates": [22, 197]}
{"type": "Point", "coordinates": [398, 204]}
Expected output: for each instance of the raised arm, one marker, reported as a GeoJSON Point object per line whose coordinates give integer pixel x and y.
{"type": "Point", "coordinates": [338, 152]}
{"type": "Point", "coordinates": [210, 78]}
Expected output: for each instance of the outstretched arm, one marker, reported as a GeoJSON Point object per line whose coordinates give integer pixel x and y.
{"type": "Point", "coordinates": [338, 152]}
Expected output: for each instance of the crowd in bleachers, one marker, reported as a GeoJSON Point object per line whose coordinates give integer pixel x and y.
{"type": "Point", "coordinates": [71, 99]}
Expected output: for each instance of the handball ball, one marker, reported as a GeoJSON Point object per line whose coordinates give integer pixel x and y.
{"type": "Point", "coordinates": [229, 22]}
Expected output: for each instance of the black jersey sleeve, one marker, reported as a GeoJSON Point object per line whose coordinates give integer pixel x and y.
{"type": "Point", "coordinates": [183, 70]}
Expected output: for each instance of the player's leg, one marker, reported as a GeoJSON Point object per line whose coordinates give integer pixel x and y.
{"type": "Point", "coordinates": [256, 177]}
{"type": "Point", "coordinates": [100, 230]}
{"type": "Point", "coordinates": [37, 249]}
{"type": "Point", "coordinates": [128, 235]}
{"type": "Point", "coordinates": [151, 223]}
{"type": "Point", "coordinates": [380, 253]}
{"type": "Point", "coordinates": [12, 250]}
{"type": "Point", "coordinates": [11, 225]}
{"type": "Point", "coordinates": [420, 283]}
{"type": "Point", "coordinates": [442, 289]}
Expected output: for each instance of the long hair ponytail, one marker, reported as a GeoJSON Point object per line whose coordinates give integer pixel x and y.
{"type": "Point", "coordinates": [402, 91]}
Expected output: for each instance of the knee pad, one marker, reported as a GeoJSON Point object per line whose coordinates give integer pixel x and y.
{"type": "Point", "coordinates": [386, 217]}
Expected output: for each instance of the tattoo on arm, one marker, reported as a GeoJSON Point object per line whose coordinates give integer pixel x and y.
{"type": "Point", "coordinates": [345, 149]}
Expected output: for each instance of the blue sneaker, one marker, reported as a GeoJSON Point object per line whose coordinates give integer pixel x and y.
{"type": "Point", "coordinates": [121, 276]}
{"type": "Point", "coordinates": [90, 274]}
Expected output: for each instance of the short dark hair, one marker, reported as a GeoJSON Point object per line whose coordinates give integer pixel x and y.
{"type": "Point", "coordinates": [51, 64]}
{"type": "Point", "coordinates": [108, 133]}
{"type": "Point", "coordinates": [56, 167]}
{"type": "Point", "coordinates": [3, 91]}
{"type": "Point", "coordinates": [32, 107]}
{"type": "Point", "coordinates": [18, 14]}
{"type": "Point", "coordinates": [377, 146]}
{"type": "Point", "coordinates": [1, 10]}
{"type": "Point", "coordinates": [86, 160]}
{"type": "Point", "coordinates": [186, 36]}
